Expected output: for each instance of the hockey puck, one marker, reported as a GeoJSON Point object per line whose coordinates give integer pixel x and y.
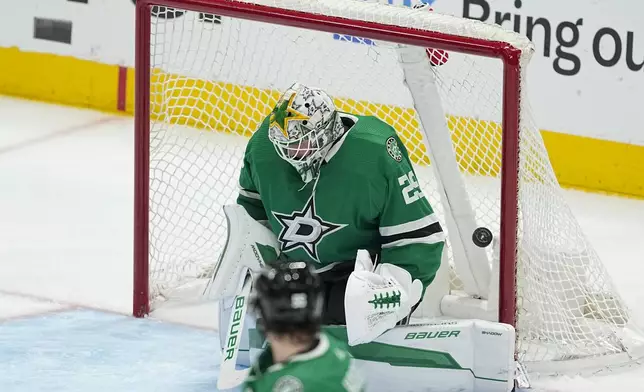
{"type": "Point", "coordinates": [482, 237]}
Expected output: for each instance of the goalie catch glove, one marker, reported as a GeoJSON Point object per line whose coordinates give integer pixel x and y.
{"type": "Point", "coordinates": [375, 300]}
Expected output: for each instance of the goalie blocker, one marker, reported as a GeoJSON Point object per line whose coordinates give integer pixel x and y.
{"type": "Point", "coordinates": [468, 355]}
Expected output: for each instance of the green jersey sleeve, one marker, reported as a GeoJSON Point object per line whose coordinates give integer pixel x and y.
{"type": "Point", "coordinates": [249, 197]}
{"type": "Point", "coordinates": [411, 236]}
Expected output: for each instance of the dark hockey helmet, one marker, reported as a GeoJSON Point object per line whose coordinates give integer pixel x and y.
{"type": "Point", "coordinates": [287, 298]}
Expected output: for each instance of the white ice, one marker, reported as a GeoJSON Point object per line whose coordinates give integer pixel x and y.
{"type": "Point", "coordinates": [84, 350]}
{"type": "Point", "coordinates": [66, 212]}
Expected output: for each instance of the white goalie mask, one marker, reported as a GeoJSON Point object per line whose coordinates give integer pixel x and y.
{"type": "Point", "coordinates": [303, 126]}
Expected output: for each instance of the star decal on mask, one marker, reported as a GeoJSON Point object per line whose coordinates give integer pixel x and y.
{"type": "Point", "coordinates": [283, 113]}
{"type": "Point", "coordinates": [304, 229]}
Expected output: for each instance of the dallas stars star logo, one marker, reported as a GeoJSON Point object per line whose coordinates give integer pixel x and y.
{"type": "Point", "coordinates": [304, 229]}
{"type": "Point", "coordinates": [283, 113]}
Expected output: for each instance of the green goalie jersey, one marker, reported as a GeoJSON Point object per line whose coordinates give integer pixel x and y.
{"type": "Point", "coordinates": [326, 368]}
{"type": "Point", "coordinates": [366, 197]}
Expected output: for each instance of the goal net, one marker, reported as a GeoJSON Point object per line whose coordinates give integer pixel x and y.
{"type": "Point", "coordinates": [209, 71]}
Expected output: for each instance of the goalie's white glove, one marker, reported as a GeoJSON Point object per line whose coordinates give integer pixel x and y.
{"type": "Point", "coordinates": [375, 300]}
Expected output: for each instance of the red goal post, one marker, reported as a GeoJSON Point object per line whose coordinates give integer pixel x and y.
{"type": "Point", "coordinates": [511, 96]}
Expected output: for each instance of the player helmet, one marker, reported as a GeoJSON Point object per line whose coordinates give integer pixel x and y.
{"type": "Point", "coordinates": [287, 298]}
{"type": "Point", "coordinates": [303, 126]}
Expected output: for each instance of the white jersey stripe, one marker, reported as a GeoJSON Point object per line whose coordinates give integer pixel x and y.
{"type": "Point", "coordinates": [432, 239]}
{"type": "Point", "coordinates": [428, 220]}
{"type": "Point", "coordinates": [249, 194]}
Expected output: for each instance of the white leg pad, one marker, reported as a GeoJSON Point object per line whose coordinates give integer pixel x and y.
{"type": "Point", "coordinates": [248, 247]}
{"type": "Point", "coordinates": [462, 355]}
{"type": "Point", "coordinates": [225, 308]}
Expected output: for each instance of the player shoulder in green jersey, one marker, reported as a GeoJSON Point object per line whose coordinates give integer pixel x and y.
{"type": "Point", "coordinates": [287, 300]}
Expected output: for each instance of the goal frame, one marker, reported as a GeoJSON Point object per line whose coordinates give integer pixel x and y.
{"type": "Point", "coordinates": [508, 54]}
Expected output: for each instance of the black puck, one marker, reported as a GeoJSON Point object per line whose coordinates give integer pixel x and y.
{"type": "Point", "coordinates": [482, 237]}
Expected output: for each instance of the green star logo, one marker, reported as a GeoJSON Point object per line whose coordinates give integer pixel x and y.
{"type": "Point", "coordinates": [283, 113]}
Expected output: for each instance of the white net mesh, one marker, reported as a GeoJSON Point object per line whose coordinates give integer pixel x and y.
{"type": "Point", "coordinates": [214, 79]}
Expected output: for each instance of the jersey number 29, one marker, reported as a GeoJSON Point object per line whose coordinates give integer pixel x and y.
{"type": "Point", "coordinates": [411, 190]}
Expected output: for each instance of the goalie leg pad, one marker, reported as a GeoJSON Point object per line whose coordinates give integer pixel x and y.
{"type": "Point", "coordinates": [226, 306]}
{"type": "Point", "coordinates": [249, 246]}
{"type": "Point", "coordinates": [463, 355]}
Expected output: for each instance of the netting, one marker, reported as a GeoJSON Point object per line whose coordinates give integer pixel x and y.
{"type": "Point", "coordinates": [214, 79]}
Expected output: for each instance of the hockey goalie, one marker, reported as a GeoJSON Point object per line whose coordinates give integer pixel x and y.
{"type": "Point", "coordinates": [338, 190]}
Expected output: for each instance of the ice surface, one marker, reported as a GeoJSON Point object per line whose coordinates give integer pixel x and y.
{"type": "Point", "coordinates": [93, 351]}
{"type": "Point", "coordinates": [66, 205]}
{"type": "Point", "coordinates": [66, 186]}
